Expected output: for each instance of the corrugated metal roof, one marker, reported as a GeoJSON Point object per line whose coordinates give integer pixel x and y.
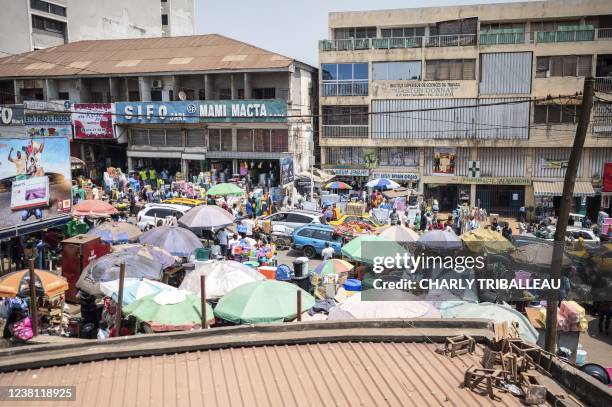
{"type": "Point", "coordinates": [154, 55]}
{"type": "Point", "coordinates": [581, 188]}
{"type": "Point", "coordinates": [340, 374]}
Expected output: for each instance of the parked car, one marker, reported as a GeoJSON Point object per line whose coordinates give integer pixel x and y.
{"type": "Point", "coordinates": [311, 239]}
{"type": "Point", "coordinates": [152, 214]}
{"type": "Point", "coordinates": [293, 219]}
{"type": "Point", "coordinates": [574, 233]}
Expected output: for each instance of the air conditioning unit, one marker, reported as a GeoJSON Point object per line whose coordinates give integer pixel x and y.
{"type": "Point", "coordinates": [157, 84]}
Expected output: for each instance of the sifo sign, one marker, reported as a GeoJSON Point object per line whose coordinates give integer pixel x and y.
{"type": "Point", "coordinates": [350, 172]}
{"type": "Point", "coordinates": [496, 180]}
{"type": "Point", "coordinates": [399, 176]}
{"type": "Point", "coordinates": [208, 111]}
{"type": "Point", "coordinates": [11, 115]}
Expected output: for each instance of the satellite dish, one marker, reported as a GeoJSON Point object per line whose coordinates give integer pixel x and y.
{"type": "Point", "coordinates": [182, 95]}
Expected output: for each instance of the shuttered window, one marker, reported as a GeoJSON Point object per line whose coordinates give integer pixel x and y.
{"type": "Point", "coordinates": [450, 69]}
{"type": "Point", "coordinates": [564, 65]}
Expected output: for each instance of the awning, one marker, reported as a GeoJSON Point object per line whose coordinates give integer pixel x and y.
{"type": "Point", "coordinates": [581, 188]}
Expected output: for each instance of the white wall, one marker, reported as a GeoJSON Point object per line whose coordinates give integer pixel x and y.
{"type": "Point", "coordinates": [181, 17]}
{"type": "Point", "coordinates": [14, 27]}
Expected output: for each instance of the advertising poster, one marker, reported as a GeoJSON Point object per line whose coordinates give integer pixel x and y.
{"type": "Point", "coordinates": [35, 180]}
{"type": "Point", "coordinates": [607, 181]}
{"type": "Point", "coordinates": [444, 160]}
{"type": "Point", "coordinates": [286, 167]}
{"type": "Point", "coordinates": [93, 121]}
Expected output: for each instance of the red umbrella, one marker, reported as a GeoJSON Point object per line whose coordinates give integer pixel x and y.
{"type": "Point", "coordinates": [94, 207]}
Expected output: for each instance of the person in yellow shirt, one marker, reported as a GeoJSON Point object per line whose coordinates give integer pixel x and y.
{"type": "Point", "coordinates": [336, 214]}
{"type": "Point", "coordinates": [143, 177]}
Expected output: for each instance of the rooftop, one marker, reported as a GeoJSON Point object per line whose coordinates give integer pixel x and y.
{"type": "Point", "coordinates": [197, 53]}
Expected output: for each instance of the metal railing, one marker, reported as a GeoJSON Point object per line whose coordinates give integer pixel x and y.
{"type": "Point", "coordinates": [603, 84]}
{"type": "Point", "coordinates": [397, 42]}
{"type": "Point", "coordinates": [455, 40]}
{"type": "Point", "coordinates": [564, 36]}
{"type": "Point", "coordinates": [487, 38]}
{"type": "Point", "coordinates": [345, 131]}
{"type": "Point", "coordinates": [345, 88]}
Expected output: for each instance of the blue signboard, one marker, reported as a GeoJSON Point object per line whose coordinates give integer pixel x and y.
{"type": "Point", "coordinates": [204, 111]}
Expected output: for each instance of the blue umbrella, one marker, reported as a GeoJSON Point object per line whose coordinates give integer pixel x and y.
{"type": "Point", "coordinates": [175, 240]}
{"type": "Point", "coordinates": [382, 183]}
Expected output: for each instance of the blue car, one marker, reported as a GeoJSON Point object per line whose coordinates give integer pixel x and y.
{"type": "Point", "coordinates": [311, 239]}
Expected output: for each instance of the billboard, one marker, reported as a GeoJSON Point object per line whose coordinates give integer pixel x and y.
{"type": "Point", "coordinates": [286, 170]}
{"type": "Point", "coordinates": [93, 121]}
{"type": "Point", "coordinates": [35, 181]}
{"type": "Point", "coordinates": [444, 160]}
{"type": "Point", "coordinates": [203, 111]}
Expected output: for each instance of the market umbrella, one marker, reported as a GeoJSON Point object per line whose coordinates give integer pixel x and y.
{"type": "Point", "coordinates": [116, 232]}
{"type": "Point", "coordinates": [338, 185]}
{"type": "Point", "coordinates": [176, 240]}
{"type": "Point", "coordinates": [133, 289]}
{"type": "Point", "coordinates": [157, 254]}
{"type": "Point", "coordinates": [225, 189]}
{"type": "Point", "coordinates": [169, 310]}
{"type": "Point", "coordinates": [94, 208]}
{"type": "Point", "coordinates": [481, 239]}
{"type": "Point", "coordinates": [539, 254]}
{"type": "Point", "coordinates": [106, 268]}
{"type": "Point", "coordinates": [221, 277]}
{"type": "Point", "coordinates": [379, 246]}
{"type": "Point", "coordinates": [333, 266]}
{"type": "Point", "coordinates": [440, 239]}
{"type": "Point", "coordinates": [207, 217]}
{"type": "Point", "coordinates": [17, 283]}
{"type": "Point", "coordinates": [262, 301]}
{"type": "Point", "coordinates": [408, 308]}
{"type": "Point", "coordinates": [382, 183]}
{"type": "Point", "coordinates": [399, 233]}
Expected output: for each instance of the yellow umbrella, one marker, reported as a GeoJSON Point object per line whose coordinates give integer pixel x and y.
{"type": "Point", "coordinates": [486, 239]}
{"type": "Point", "coordinates": [17, 282]}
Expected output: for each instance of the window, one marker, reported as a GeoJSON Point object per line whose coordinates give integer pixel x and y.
{"type": "Point", "coordinates": [133, 96]}
{"type": "Point", "coordinates": [354, 32]}
{"type": "Point", "coordinates": [345, 115]}
{"type": "Point", "coordinates": [63, 96]}
{"type": "Point", "coordinates": [484, 28]}
{"type": "Point", "coordinates": [201, 94]}
{"type": "Point", "coordinates": [297, 218]}
{"type": "Point", "coordinates": [97, 97]}
{"type": "Point", "coordinates": [402, 32]}
{"type": "Point", "coordinates": [398, 157]}
{"type": "Point", "coordinates": [156, 95]}
{"type": "Point", "coordinates": [226, 139]}
{"type": "Point", "coordinates": [564, 65]}
{"type": "Point", "coordinates": [225, 94]}
{"type": "Point", "coordinates": [279, 140]}
{"type": "Point", "coordinates": [46, 24]}
{"type": "Point", "coordinates": [219, 139]}
{"type": "Point", "coordinates": [450, 69]}
{"type": "Point", "coordinates": [323, 235]}
{"type": "Point", "coordinates": [345, 155]}
{"type": "Point", "coordinates": [306, 233]}
{"type": "Point", "coordinates": [48, 7]}
{"type": "Point", "coordinates": [554, 114]}
{"type": "Point", "coordinates": [263, 93]}
{"type": "Point", "coordinates": [279, 217]}
{"type": "Point", "coordinates": [164, 19]}
{"type": "Point", "coordinates": [245, 140]}
{"type": "Point", "coordinates": [396, 71]}
{"type": "Point", "coordinates": [262, 140]}
{"type": "Point", "coordinates": [345, 79]}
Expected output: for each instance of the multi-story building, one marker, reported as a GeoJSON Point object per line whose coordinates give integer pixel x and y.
{"type": "Point", "coordinates": [27, 25]}
{"type": "Point", "coordinates": [452, 100]}
{"type": "Point", "coordinates": [184, 103]}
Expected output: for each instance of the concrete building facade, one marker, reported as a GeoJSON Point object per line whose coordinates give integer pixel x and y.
{"type": "Point", "coordinates": [452, 99]}
{"type": "Point", "coordinates": [27, 25]}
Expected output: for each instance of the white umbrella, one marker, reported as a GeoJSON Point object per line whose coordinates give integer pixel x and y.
{"type": "Point", "coordinates": [133, 289]}
{"type": "Point", "coordinates": [383, 183]}
{"type": "Point", "coordinates": [440, 239]}
{"type": "Point", "coordinates": [399, 233]}
{"type": "Point", "coordinates": [387, 309]}
{"type": "Point", "coordinates": [221, 277]}
{"type": "Point", "coordinates": [207, 217]}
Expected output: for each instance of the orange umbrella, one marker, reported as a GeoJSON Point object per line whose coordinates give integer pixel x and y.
{"type": "Point", "coordinates": [17, 282]}
{"type": "Point", "coordinates": [94, 207]}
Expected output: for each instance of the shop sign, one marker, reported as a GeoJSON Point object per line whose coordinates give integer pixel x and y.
{"type": "Point", "coordinates": [11, 115]}
{"type": "Point", "coordinates": [47, 119]}
{"type": "Point", "coordinates": [93, 121]}
{"type": "Point", "coordinates": [554, 164]}
{"type": "Point", "coordinates": [286, 170]}
{"type": "Point", "coordinates": [49, 131]}
{"type": "Point", "coordinates": [443, 161]}
{"type": "Point", "coordinates": [496, 180]}
{"type": "Point", "coordinates": [43, 106]}
{"type": "Point", "coordinates": [206, 111]}
{"type": "Point", "coordinates": [412, 89]}
{"type": "Point", "coordinates": [474, 169]}
{"type": "Point", "coordinates": [607, 181]}
{"type": "Point", "coordinates": [399, 176]}
{"type": "Point", "coordinates": [350, 172]}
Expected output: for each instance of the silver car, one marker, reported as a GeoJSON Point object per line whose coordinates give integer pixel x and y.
{"type": "Point", "coordinates": [293, 219]}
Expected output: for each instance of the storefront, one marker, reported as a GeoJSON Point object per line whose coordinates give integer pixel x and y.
{"type": "Point", "coordinates": [409, 179]}
{"type": "Point", "coordinates": [548, 197]}
{"type": "Point", "coordinates": [355, 177]}
{"type": "Point", "coordinates": [447, 195]}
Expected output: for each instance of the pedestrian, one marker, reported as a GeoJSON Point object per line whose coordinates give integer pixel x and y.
{"type": "Point", "coordinates": [393, 217]}
{"type": "Point", "coordinates": [522, 228]}
{"type": "Point", "coordinates": [507, 231]}
{"type": "Point", "coordinates": [336, 214]}
{"type": "Point", "coordinates": [423, 222]}
{"type": "Point", "coordinates": [327, 252]}
{"type": "Point", "coordinates": [222, 239]}
{"type": "Point", "coordinates": [132, 201]}
{"type": "Point", "coordinates": [232, 244]}
{"type": "Point", "coordinates": [143, 177]}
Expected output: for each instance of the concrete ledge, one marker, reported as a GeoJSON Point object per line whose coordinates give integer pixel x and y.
{"type": "Point", "coordinates": [417, 330]}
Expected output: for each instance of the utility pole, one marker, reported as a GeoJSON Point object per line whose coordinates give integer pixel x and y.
{"type": "Point", "coordinates": [566, 204]}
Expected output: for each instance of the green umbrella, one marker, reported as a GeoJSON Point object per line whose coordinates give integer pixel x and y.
{"type": "Point", "coordinates": [373, 245]}
{"type": "Point", "coordinates": [225, 189]}
{"type": "Point", "coordinates": [169, 308]}
{"type": "Point", "coordinates": [262, 301]}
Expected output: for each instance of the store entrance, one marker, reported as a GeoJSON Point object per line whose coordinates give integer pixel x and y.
{"type": "Point", "coordinates": [447, 195]}
{"type": "Point", "coordinates": [505, 200]}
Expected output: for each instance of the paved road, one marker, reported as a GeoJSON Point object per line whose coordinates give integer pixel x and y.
{"type": "Point", "coordinates": [289, 256]}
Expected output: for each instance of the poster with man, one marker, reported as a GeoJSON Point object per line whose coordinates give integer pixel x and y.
{"type": "Point", "coordinates": [444, 161]}
{"type": "Point", "coordinates": [286, 165]}
{"type": "Point", "coordinates": [35, 180]}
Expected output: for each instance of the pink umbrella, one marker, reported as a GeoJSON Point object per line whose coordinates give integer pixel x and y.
{"type": "Point", "coordinates": [94, 208]}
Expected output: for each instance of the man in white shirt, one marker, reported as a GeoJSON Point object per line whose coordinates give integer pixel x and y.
{"type": "Point", "coordinates": [328, 252]}
{"type": "Point", "coordinates": [249, 222]}
{"type": "Point", "coordinates": [222, 238]}
{"type": "Point", "coordinates": [232, 243]}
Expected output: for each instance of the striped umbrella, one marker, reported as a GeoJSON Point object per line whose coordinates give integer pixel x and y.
{"type": "Point", "coordinates": [338, 185]}
{"type": "Point", "coordinates": [17, 283]}
{"type": "Point", "coordinates": [333, 266]}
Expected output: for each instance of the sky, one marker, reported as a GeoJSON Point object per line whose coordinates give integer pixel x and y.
{"type": "Point", "coordinates": [288, 27]}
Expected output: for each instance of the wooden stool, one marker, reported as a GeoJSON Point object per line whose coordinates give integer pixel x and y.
{"type": "Point", "coordinates": [459, 345]}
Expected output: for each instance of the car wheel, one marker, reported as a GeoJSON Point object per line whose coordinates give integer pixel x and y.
{"type": "Point", "coordinates": [310, 252]}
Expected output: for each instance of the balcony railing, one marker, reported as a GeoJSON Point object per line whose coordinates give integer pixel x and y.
{"type": "Point", "coordinates": [485, 38]}
{"type": "Point", "coordinates": [603, 84]}
{"type": "Point", "coordinates": [345, 131]}
{"type": "Point", "coordinates": [345, 88]}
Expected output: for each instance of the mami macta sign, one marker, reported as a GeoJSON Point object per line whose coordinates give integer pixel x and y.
{"type": "Point", "coordinates": [205, 111]}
